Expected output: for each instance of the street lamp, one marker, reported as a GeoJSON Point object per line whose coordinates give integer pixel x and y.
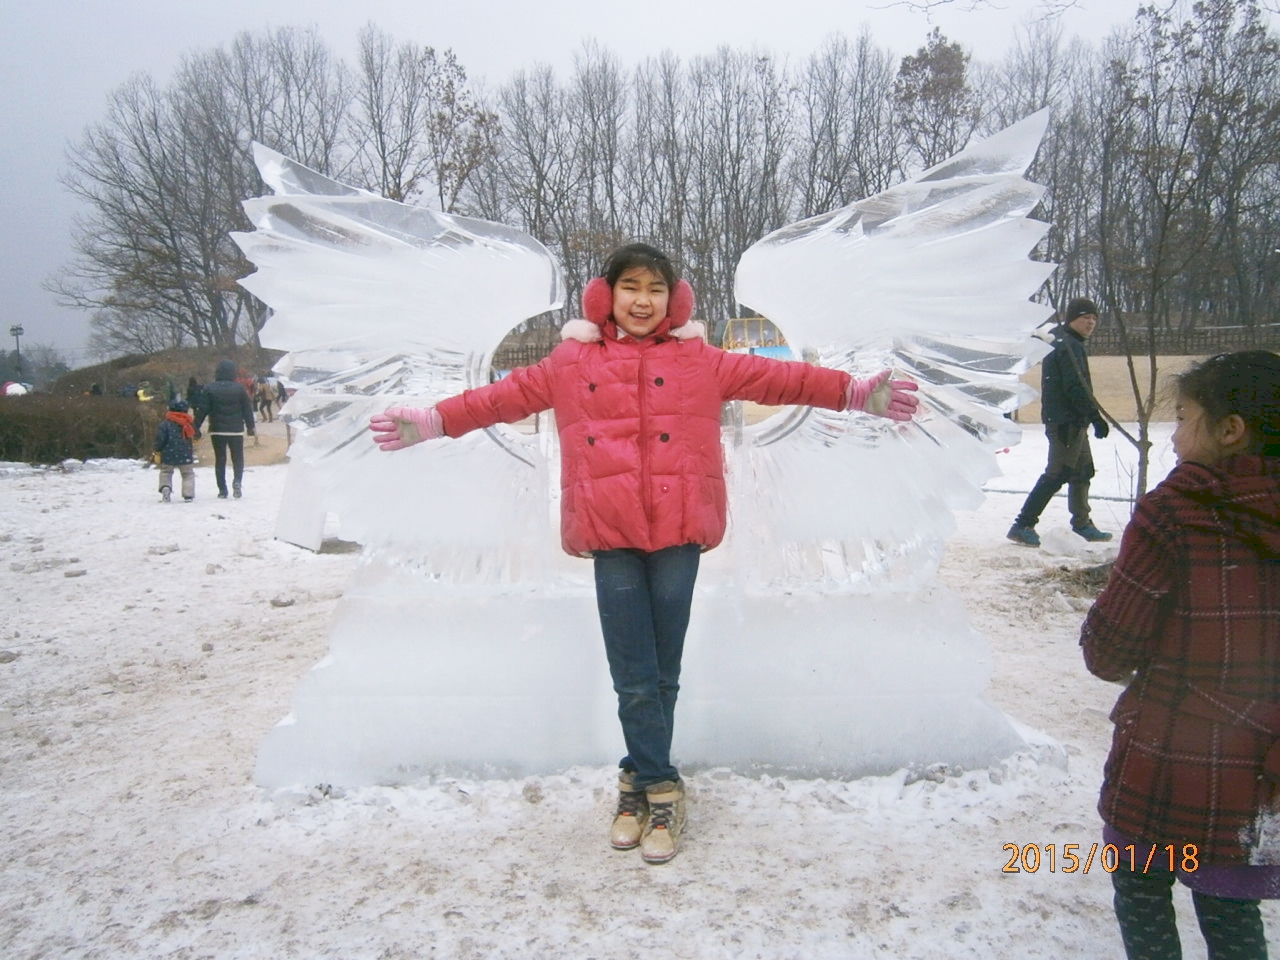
{"type": "Point", "coordinates": [16, 332]}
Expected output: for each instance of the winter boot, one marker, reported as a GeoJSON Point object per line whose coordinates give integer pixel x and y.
{"type": "Point", "coordinates": [164, 494]}
{"type": "Point", "coordinates": [661, 835]}
{"type": "Point", "coordinates": [1027, 536]}
{"type": "Point", "coordinates": [1092, 533]}
{"type": "Point", "coordinates": [235, 490]}
{"type": "Point", "coordinates": [633, 813]}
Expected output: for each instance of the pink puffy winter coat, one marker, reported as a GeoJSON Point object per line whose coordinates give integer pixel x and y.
{"type": "Point", "coordinates": [639, 424]}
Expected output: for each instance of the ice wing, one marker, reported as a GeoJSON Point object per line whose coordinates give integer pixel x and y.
{"type": "Point", "coordinates": [382, 303]}
{"type": "Point", "coordinates": [339, 264]}
{"type": "Point", "coordinates": [933, 278]}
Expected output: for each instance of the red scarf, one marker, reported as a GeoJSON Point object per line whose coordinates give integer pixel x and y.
{"type": "Point", "coordinates": [184, 421]}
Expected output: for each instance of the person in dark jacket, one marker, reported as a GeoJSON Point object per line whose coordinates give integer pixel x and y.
{"type": "Point", "coordinates": [195, 396]}
{"type": "Point", "coordinates": [1068, 409]}
{"type": "Point", "coordinates": [1190, 619]}
{"type": "Point", "coordinates": [230, 414]}
{"type": "Point", "coordinates": [174, 450]}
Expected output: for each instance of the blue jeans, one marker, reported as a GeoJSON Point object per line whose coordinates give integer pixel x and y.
{"type": "Point", "coordinates": [644, 601]}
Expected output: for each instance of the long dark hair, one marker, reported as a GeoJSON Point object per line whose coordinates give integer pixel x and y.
{"type": "Point", "coordinates": [1245, 383]}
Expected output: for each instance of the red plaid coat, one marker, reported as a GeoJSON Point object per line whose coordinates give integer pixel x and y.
{"type": "Point", "coordinates": [1192, 613]}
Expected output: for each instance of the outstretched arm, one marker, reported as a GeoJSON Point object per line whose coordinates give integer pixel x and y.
{"type": "Point", "coordinates": [525, 391]}
{"type": "Point", "coordinates": [776, 382]}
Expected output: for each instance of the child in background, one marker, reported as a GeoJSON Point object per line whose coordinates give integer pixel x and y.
{"type": "Point", "coordinates": [1191, 619]}
{"type": "Point", "coordinates": [264, 395]}
{"type": "Point", "coordinates": [174, 449]}
{"type": "Point", "coordinates": [637, 394]}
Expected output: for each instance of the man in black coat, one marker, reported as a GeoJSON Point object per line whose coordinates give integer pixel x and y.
{"type": "Point", "coordinates": [230, 414]}
{"type": "Point", "coordinates": [1068, 409]}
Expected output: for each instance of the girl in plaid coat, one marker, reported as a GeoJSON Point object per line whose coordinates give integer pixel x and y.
{"type": "Point", "coordinates": [1190, 618]}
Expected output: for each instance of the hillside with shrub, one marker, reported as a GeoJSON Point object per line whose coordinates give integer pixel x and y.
{"type": "Point", "coordinates": [94, 412]}
{"type": "Point", "coordinates": [169, 367]}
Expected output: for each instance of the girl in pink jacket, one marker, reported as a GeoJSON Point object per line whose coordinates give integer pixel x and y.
{"type": "Point", "coordinates": [637, 394]}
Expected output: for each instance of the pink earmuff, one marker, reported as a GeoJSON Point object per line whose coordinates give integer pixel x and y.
{"type": "Point", "coordinates": [597, 302]}
{"type": "Point", "coordinates": [680, 307]}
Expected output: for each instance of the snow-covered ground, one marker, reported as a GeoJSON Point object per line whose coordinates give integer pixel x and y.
{"type": "Point", "coordinates": [146, 649]}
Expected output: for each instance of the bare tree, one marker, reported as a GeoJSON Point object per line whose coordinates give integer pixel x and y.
{"type": "Point", "coordinates": [1038, 71]}
{"type": "Point", "coordinates": [284, 88]}
{"type": "Point", "coordinates": [1043, 70]}
{"type": "Point", "coordinates": [137, 255]}
{"type": "Point", "coordinates": [1240, 274]}
{"type": "Point", "coordinates": [536, 159]}
{"type": "Point", "coordinates": [847, 143]}
{"type": "Point", "coordinates": [738, 137]}
{"type": "Point", "coordinates": [162, 177]}
{"type": "Point", "coordinates": [879, 149]}
{"type": "Point", "coordinates": [1179, 104]}
{"type": "Point", "coordinates": [657, 160]}
{"type": "Point", "coordinates": [388, 123]}
{"type": "Point", "coordinates": [415, 126]}
{"type": "Point", "coordinates": [124, 331]}
{"type": "Point", "coordinates": [598, 102]}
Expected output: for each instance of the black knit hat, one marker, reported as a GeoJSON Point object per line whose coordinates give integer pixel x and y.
{"type": "Point", "coordinates": [1079, 307]}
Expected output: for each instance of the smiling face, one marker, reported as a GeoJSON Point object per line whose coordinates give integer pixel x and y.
{"type": "Point", "coordinates": [640, 299]}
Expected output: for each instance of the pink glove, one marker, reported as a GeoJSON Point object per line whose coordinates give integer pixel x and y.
{"type": "Point", "coordinates": [399, 427]}
{"type": "Point", "coordinates": [883, 397]}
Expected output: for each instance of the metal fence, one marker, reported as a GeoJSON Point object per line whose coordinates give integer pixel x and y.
{"type": "Point", "coordinates": [510, 356]}
{"type": "Point", "coordinates": [1194, 341]}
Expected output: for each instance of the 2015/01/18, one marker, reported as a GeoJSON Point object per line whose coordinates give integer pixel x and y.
{"type": "Point", "coordinates": [1029, 856]}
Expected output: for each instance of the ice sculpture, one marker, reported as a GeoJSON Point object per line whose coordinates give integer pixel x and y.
{"type": "Point", "coordinates": [820, 643]}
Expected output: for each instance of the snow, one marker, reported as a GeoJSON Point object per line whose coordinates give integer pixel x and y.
{"type": "Point", "coordinates": [147, 649]}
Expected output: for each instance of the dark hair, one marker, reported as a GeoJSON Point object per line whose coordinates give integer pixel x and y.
{"type": "Point", "coordinates": [1245, 383]}
{"type": "Point", "coordinates": [639, 255]}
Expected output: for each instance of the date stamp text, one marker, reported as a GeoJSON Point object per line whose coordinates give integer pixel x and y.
{"type": "Point", "coordinates": [1072, 858]}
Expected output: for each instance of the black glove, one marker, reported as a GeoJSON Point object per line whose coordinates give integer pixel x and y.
{"type": "Point", "coordinates": [1101, 428]}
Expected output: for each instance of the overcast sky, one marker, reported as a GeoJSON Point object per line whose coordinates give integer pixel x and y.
{"type": "Point", "coordinates": [60, 58]}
